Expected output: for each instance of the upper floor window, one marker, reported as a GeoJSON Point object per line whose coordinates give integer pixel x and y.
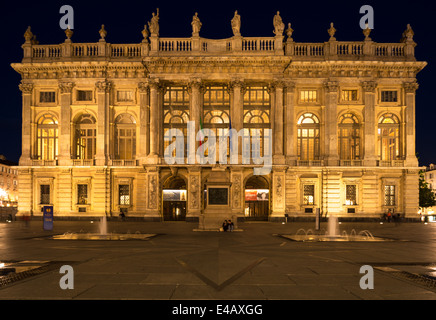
{"type": "Point", "coordinates": [389, 96]}
{"type": "Point", "coordinates": [308, 137]}
{"type": "Point", "coordinates": [125, 137]}
{"type": "Point", "coordinates": [349, 137]}
{"type": "Point", "coordinates": [308, 96]}
{"type": "Point", "coordinates": [85, 137]}
{"type": "Point", "coordinates": [84, 95]}
{"type": "Point", "coordinates": [349, 95]}
{"type": "Point", "coordinates": [47, 138]}
{"type": "Point", "coordinates": [389, 137]}
{"type": "Point", "coordinates": [47, 96]}
{"type": "Point", "coordinates": [257, 112]}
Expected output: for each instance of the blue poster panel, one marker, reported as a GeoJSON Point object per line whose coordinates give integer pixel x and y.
{"type": "Point", "coordinates": [48, 217]}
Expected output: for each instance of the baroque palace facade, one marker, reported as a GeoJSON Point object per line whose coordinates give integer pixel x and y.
{"type": "Point", "coordinates": [342, 117]}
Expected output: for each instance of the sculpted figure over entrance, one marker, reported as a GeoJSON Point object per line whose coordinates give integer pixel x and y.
{"type": "Point", "coordinates": [236, 24]}
{"type": "Point", "coordinates": [279, 26]}
{"type": "Point", "coordinates": [196, 24]}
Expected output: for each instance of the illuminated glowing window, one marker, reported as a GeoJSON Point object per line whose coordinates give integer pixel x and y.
{"type": "Point", "coordinates": [308, 194]}
{"type": "Point", "coordinates": [350, 194]}
{"type": "Point", "coordinates": [390, 195]}
{"type": "Point", "coordinates": [85, 137]}
{"type": "Point", "coordinates": [349, 137]}
{"type": "Point", "coordinates": [389, 137]}
{"type": "Point", "coordinates": [308, 137]}
{"type": "Point", "coordinates": [125, 137]}
{"type": "Point", "coordinates": [349, 95]}
{"type": "Point", "coordinates": [47, 138]}
{"type": "Point", "coordinates": [308, 96]}
{"type": "Point", "coordinates": [124, 194]}
{"type": "Point", "coordinates": [176, 112]}
{"type": "Point", "coordinates": [257, 110]}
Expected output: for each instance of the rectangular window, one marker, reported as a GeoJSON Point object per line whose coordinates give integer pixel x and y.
{"type": "Point", "coordinates": [350, 195]}
{"type": "Point", "coordinates": [124, 96]}
{"type": "Point", "coordinates": [309, 194]}
{"type": "Point", "coordinates": [44, 194]}
{"type": "Point", "coordinates": [124, 194]}
{"type": "Point", "coordinates": [390, 195]}
{"type": "Point", "coordinates": [349, 95]}
{"type": "Point", "coordinates": [389, 96]}
{"type": "Point", "coordinates": [82, 194]}
{"type": "Point", "coordinates": [47, 96]}
{"type": "Point", "coordinates": [308, 96]}
{"type": "Point", "coordinates": [84, 95]}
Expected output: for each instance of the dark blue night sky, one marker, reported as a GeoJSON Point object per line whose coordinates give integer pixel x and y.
{"type": "Point", "coordinates": [124, 21]}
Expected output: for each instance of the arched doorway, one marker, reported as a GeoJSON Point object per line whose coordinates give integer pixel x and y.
{"type": "Point", "coordinates": [174, 199]}
{"type": "Point", "coordinates": [256, 198]}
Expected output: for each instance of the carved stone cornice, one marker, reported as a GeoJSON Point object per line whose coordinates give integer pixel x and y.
{"type": "Point", "coordinates": [410, 87]}
{"type": "Point", "coordinates": [331, 86]}
{"type": "Point", "coordinates": [26, 87]}
{"type": "Point", "coordinates": [66, 87]}
{"type": "Point", "coordinates": [103, 86]}
{"type": "Point", "coordinates": [369, 86]}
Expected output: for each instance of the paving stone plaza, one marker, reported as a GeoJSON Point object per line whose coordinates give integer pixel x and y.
{"type": "Point", "coordinates": [255, 262]}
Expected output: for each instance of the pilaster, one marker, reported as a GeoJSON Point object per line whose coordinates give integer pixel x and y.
{"type": "Point", "coordinates": [64, 157]}
{"type": "Point", "coordinates": [26, 132]}
{"type": "Point", "coordinates": [102, 151]}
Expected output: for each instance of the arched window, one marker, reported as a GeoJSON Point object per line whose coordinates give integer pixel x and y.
{"type": "Point", "coordinates": [308, 137]}
{"type": "Point", "coordinates": [125, 137]}
{"type": "Point", "coordinates": [216, 111]}
{"type": "Point", "coordinates": [85, 137]}
{"type": "Point", "coordinates": [47, 138]}
{"type": "Point", "coordinates": [349, 137]}
{"type": "Point", "coordinates": [176, 112]}
{"type": "Point", "coordinates": [389, 137]}
{"type": "Point", "coordinates": [257, 109]}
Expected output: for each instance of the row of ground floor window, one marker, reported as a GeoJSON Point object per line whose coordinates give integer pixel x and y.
{"type": "Point", "coordinates": [180, 193]}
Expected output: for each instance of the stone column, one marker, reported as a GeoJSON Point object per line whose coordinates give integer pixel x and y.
{"type": "Point", "coordinates": [410, 91]}
{"type": "Point", "coordinates": [331, 123]}
{"type": "Point", "coordinates": [278, 118]}
{"type": "Point", "coordinates": [195, 90]}
{"type": "Point", "coordinates": [154, 120]}
{"type": "Point", "coordinates": [370, 123]}
{"type": "Point", "coordinates": [290, 130]}
{"type": "Point", "coordinates": [143, 144]}
{"type": "Point", "coordinates": [64, 156]}
{"type": "Point", "coordinates": [103, 90]}
{"type": "Point", "coordinates": [154, 192]}
{"type": "Point", "coordinates": [26, 127]}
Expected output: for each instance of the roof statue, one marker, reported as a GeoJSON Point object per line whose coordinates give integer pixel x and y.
{"type": "Point", "coordinates": [236, 24]}
{"type": "Point", "coordinates": [196, 25]}
{"type": "Point", "coordinates": [153, 25]}
{"type": "Point", "coordinates": [279, 26]}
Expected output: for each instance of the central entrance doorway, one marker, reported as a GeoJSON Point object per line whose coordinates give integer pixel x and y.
{"type": "Point", "coordinates": [174, 199]}
{"type": "Point", "coordinates": [256, 199]}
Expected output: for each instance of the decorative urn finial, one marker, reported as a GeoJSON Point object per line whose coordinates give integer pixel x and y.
{"type": "Point", "coordinates": [102, 32]}
{"type": "Point", "coordinates": [69, 33]}
{"type": "Point", "coordinates": [145, 33]}
{"type": "Point", "coordinates": [366, 33]}
{"type": "Point", "coordinates": [332, 31]}
{"type": "Point", "coordinates": [289, 32]}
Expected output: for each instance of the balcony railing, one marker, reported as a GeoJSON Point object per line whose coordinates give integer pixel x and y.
{"type": "Point", "coordinates": [197, 46]}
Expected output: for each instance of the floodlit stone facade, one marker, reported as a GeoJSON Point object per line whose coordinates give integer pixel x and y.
{"type": "Point", "coordinates": [342, 116]}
